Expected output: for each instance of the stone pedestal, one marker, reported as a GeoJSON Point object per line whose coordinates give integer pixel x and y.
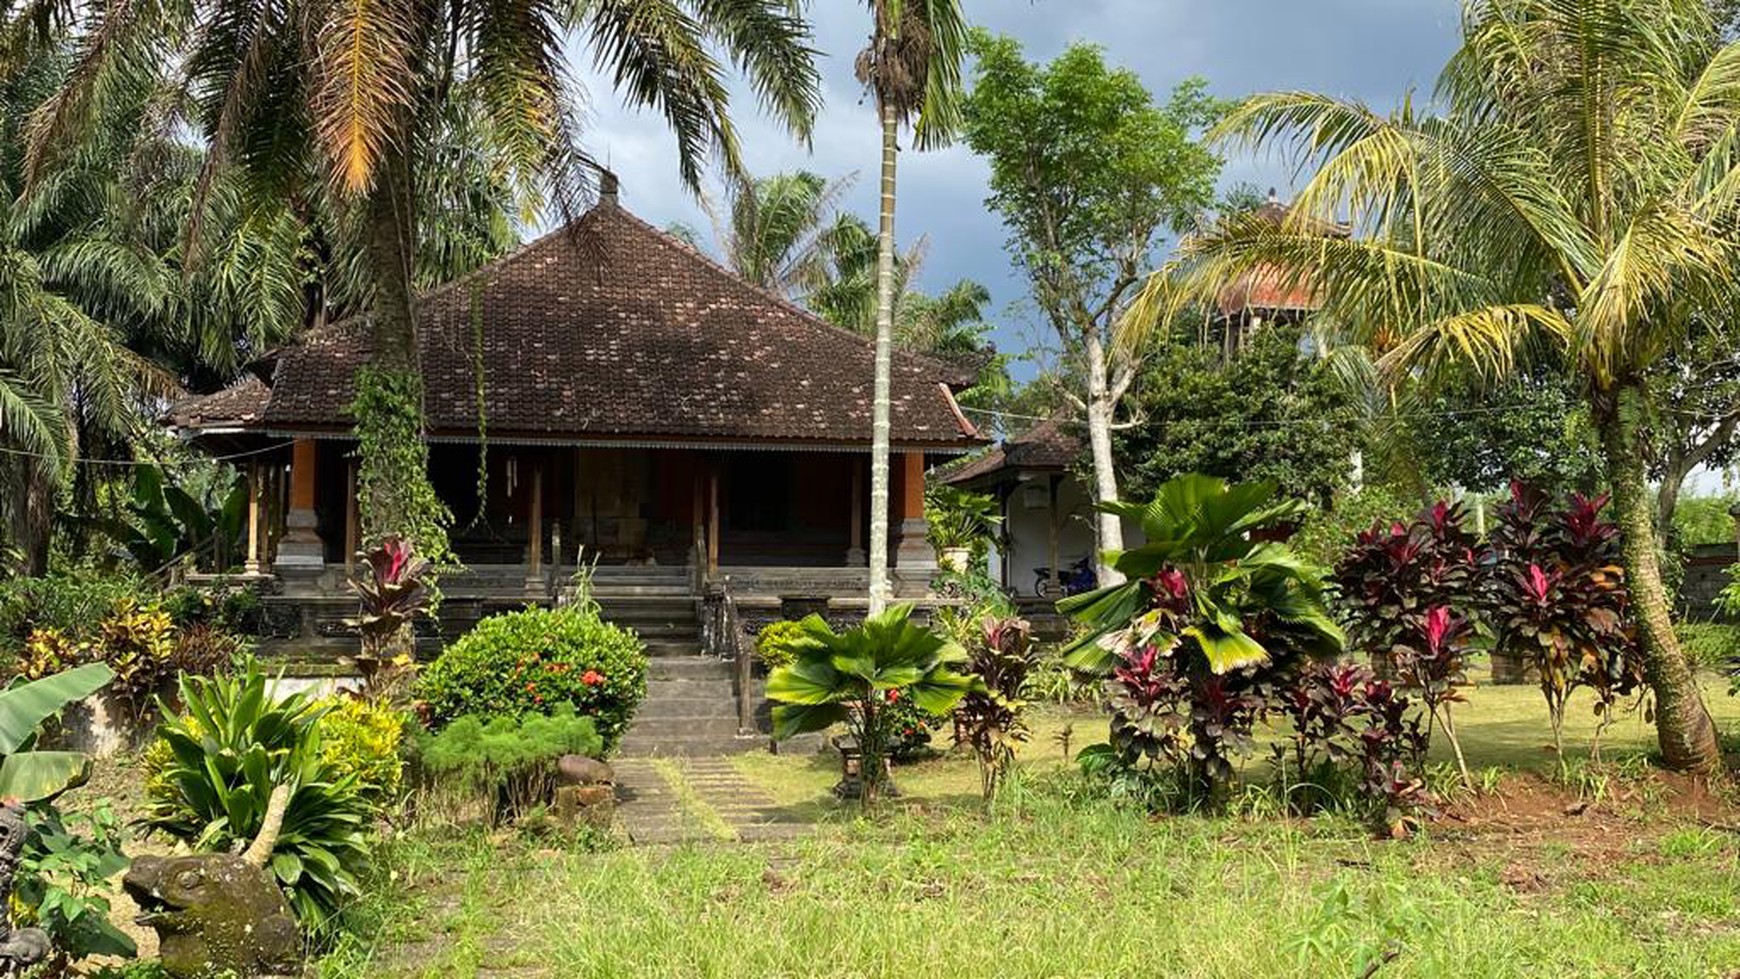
{"type": "Point", "coordinates": [911, 550]}
{"type": "Point", "coordinates": [300, 553]}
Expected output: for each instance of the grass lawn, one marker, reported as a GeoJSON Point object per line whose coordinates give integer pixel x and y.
{"type": "Point", "coordinates": [1528, 881]}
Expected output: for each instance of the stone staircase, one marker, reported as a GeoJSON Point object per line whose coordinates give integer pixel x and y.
{"type": "Point", "coordinates": [691, 699]}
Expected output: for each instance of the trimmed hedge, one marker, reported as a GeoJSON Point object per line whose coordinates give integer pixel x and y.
{"type": "Point", "coordinates": [528, 662]}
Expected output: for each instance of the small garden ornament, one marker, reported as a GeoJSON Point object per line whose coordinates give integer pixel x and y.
{"type": "Point", "coordinates": [20, 948]}
{"type": "Point", "coordinates": [220, 914]}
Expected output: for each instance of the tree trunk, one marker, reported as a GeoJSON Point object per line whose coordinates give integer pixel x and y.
{"type": "Point", "coordinates": [879, 435]}
{"type": "Point", "coordinates": [393, 465]}
{"type": "Point", "coordinates": [1686, 734]}
{"type": "Point", "coordinates": [392, 228]}
{"type": "Point", "coordinates": [1099, 425]}
{"type": "Point", "coordinates": [37, 530]}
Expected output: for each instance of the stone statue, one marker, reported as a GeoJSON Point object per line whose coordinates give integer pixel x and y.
{"type": "Point", "coordinates": [20, 948]}
{"type": "Point", "coordinates": [220, 914]}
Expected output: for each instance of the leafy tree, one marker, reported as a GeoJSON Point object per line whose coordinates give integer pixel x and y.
{"type": "Point", "coordinates": [1088, 174]}
{"type": "Point", "coordinates": [913, 70]}
{"type": "Point", "coordinates": [1269, 411]}
{"type": "Point", "coordinates": [345, 101]}
{"type": "Point", "coordinates": [1484, 436]}
{"type": "Point", "coordinates": [1576, 192]}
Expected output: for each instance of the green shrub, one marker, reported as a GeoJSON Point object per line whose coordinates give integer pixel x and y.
{"type": "Point", "coordinates": [1325, 536]}
{"type": "Point", "coordinates": [1710, 645]}
{"type": "Point", "coordinates": [63, 879]}
{"type": "Point", "coordinates": [531, 661]}
{"type": "Point", "coordinates": [773, 643]}
{"type": "Point", "coordinates": [72, 604]}
{"type": "Point", "coordinates": [209, 783]}
{"type": "Point", "coordinates": [508, 763]}
{"type": "Point", "coordinates": [363, 739]}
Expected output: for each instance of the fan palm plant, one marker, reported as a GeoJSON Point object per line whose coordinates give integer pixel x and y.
{"type": "Point", "coordinates": [856, 677]}
{"type": "Point", "coordinates": [309, 97]}
{"type": "Point", "coordinates": [913, 68]}
{"type": "Point", "coordinates": [1577, 194]}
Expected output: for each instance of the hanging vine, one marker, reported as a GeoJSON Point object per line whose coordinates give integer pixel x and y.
{"type": "Point", "coordinates": [482, 400]}
{"type": "Point", "coordinates": [393, 472]}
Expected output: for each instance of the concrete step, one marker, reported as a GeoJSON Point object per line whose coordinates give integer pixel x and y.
{"type": "Point", "coordinates": [688, 668]}
{"type": "Point", "coordinates": [670, 648]}
{"type": "Point", "coordinates": [704, 705]}
{"type": "Point", "coordinates": [634, 746]}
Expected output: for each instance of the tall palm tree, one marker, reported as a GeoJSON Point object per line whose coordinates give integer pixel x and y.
{"type": "Point", "coordinates": [310, 95]}
{"type": "Point", "coordinates": [1579, 191]}
{"type": "Point", "coordinates": [913, 69]}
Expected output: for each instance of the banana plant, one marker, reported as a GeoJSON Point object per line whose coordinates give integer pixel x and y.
{"type": "Point", "coordinates": [28, 775]}
{"type": "Point", "coordinates": [165, 523]}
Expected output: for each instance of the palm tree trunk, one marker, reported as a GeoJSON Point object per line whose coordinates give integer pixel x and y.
{"type": "Point", "coordinates": [391, 229]}
{"type": "Point", "coordinates": [879, 433]}
{"type": "Point", "coordinates": [1684, 730]}
{"type": "Point", "coordinates": [1099, 426]}
{"type": "Point", "coordinates": [394, 494]}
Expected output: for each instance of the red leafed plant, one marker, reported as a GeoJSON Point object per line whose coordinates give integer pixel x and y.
{"type": "Point", "coordinates": [989, 719]}
{"type": "Point", "coordinates": [1346, 722]}
{"type": "Point", "coordinates": [1435, 662]}
{"type": "Point", "coordinates": [1407, 592]}
{"type": "Point", "coordinates": [1558, 601]}
{"type": "Point", "coordinates": [1395, 572]}
{"type": "Point", "coordinates": [393, 592]}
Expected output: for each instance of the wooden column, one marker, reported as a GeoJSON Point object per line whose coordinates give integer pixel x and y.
{"type": "Point", "coordinates": [712, 516]}
{"type": "Point", "coordinates": [352, 513]}
{"type": "Point", "coordinates": [855, 556]}
{"type": "Point", "coordinates": [535, 527]}
{"type": "Point", "coordinates": [252, 563]}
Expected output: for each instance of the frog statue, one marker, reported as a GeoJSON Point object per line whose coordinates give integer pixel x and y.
{"type": "Point", "coordinates": [220, 914]}
{"type": "Point", "coordinates": [20, 948]}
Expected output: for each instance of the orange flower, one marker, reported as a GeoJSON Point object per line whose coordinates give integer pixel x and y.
{"type": "Point", "coordinates": [592, 678]}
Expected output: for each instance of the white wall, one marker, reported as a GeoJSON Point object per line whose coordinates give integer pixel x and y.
{"type": "Point", "coordinates": [1027, 517]}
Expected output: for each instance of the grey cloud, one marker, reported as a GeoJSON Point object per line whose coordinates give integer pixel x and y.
{"type": "Point", "coordinates": [1373, 50]}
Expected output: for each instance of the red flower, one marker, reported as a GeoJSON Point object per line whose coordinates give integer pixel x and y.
{"type": "Point", "coordinates": [531, 688]}
{"type": "Point", "coordinates": [893, 694]}
{"type": "Point", "coordinates": [592, 678]}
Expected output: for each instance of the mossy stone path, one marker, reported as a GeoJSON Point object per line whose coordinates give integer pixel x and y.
{"type": "Point", "coordinates": [668, 801]}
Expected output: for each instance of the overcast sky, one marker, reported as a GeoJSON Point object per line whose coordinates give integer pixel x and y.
{"type": "Point", "coordinates": [1368, 49]}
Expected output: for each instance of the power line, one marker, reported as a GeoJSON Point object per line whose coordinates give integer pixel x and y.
{"type": "Point", "coordinates": [24, 453]}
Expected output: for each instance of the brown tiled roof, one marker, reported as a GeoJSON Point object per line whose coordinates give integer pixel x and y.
{"type": "Point", "coordinates": [238, 405]}
{"type": "Point", "coordinates": [632, 335]}
{"type": "Point", "coordinates": [1046, 447]}
{"type": "Point", "coordinates": [1268, 289]}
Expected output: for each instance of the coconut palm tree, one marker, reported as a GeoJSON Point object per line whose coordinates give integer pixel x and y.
{"type": "Point", "coordinates": [913, 69]}
{"type": "Point", "coordinates": [774, 231]}
{"type": "Point", "coordinates": [1578, 190]}
{"type": "Point", "coordinates": [306, 96]}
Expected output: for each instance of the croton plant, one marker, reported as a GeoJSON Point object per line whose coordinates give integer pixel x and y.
{"type": "Point", "coordinates": [393, 590]}
{"type": "Point", "coordinates": [1557, 598]}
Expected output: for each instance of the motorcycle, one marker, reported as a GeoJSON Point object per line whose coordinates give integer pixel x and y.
{"type": "Point", "coordinates": [1077, 579]}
